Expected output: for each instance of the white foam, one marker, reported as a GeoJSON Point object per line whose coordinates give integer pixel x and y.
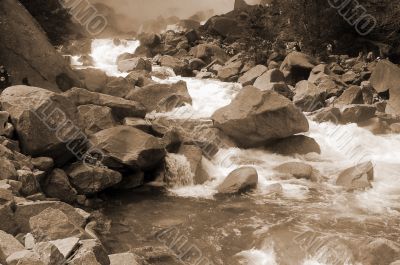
{"type": "Point", "coordinates": [105, 54]}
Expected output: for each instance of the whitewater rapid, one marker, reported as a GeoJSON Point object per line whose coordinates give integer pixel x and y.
{"type": "Point", "coordinates": [342, 146]}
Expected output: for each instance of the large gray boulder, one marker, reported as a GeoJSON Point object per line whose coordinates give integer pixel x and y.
{"type": "Point", "coordinates": [27, 53]}
{"type": "Point", "coordinates": [96, 118]}
{"type": "Point", "coordinates": [39, 116]}
{"type": "Point", "coordinates": [239, 180]}
{"type": "Point", "coordinates": [127, 146]}
{"type": "Point", "coordinates": [308, 97]}
{"type": "Point", "coordinates": [248, 78]}
{"type": "Point", "coordinates": [255, 118]}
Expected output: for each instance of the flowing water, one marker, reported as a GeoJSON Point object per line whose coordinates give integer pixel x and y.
{"type": "Point", "coordinates": [302, 223]}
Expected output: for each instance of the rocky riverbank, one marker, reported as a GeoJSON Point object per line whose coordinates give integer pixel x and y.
{"type": "Point", "coordinates": [61, 150]}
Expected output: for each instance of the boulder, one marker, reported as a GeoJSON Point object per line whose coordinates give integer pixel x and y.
{"type": "Point", "coordinates": [43, 163]}
{"type": "Point", "coordinates": [257, 117]}
{"type": "Point", "coordinates": [88, 179]}
{"type": "Point", "coordinates": [27, 53]}
{"type": "Point", "coordinates": [96, 118]}
{"type": "Point", "coordinates": [299, 170]}
{"type": "Point", "coordinates": [7, 223]}
{"type": "Point", "coordinates": [280, 88]}
{"type": "Point", "coordinates": [357, 113]}
{"type": "Point", "coordinates": [127, 146]}
{"type": "Point", "coordinates": [352, 95]}
{"type": "Point", "coordinates": [162, 97]}
{"type": "Point", "coordinates": [271, 76]}
{"type": "Point", "coordinates": [134, 64]}
{"type": "Point", "coordinates": [209, 53]}
{"type": "Point", "coordinates": [118, 87]}
{"type": "Point", "coordinates": [222, 26]}
{"type": "Point", "coordinates": [349, 77]}
{"type": "Point", "coordinates": [297, 144]}
{"type": "Point", "coordinates": [7, 169]}
{"type": "Point", "coordinates": [230, 71]}
{"type": "Point", "coordinates": [53, 224]}
{"type": "Point", "coordinates": [49, 253]}
{"type": "Point", "coordinates": [66, 246]}
{"type": "Point", "coordinates": [8, 246]}
{"type": "Point", "coordinates": [40, 117]}
{"type": "Point", "coordinates": [30, 184]}
{"type": "Point", "coordinates": [25, 210]}
{"type": "Point", "coordinates": [194, 155]}
{"type": "Point", "coordinates": [138, 123]}
{"type": "Point", "coordinates": [196, 64]}
{"type": "Point", "coordinates": [318, 72]}
{"type": "Point", "coordinates": [93, 79]}
{"type": "Point", "coordinates": [328, 114]}
{"type": "Point", "coordinates": [58, 186]}
{"type": "Point", "coordinates": [239, 180]}
{"type": "Point", "coordinates": [90, 252]}
{"type": "Point", "coordinates": [4, 116]}
{"type": "Point", "coordinates": [385, 76]}
{"type": "Point", "coordinates": [24, 257]}
{"type": "Point", "coordinates": [179, 66]}
{"type": "Point", "coordinates": [248, 78]}
{"type": "Point", "coordinates": [308, 97]}
{"type": "Point", "coordinates": [297, 66]}
{"type": "Point", "coordinates": [124, 259]}
{"type": "Point", "coordinates": [357, 177]}
{"type": "Point", "coordinates": [121, 108]}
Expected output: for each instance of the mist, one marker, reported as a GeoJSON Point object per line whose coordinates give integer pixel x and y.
{"type": "Point", "coordinates": [141, 10]}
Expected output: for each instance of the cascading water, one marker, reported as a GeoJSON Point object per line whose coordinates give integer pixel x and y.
{"type": "Point", "coordinates": [261, 227]}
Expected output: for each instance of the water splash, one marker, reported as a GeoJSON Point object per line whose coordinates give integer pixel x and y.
{"type": "Point", "coordinates": [178, 171]}
{"type": "Point", "coordinates": [105, 53]}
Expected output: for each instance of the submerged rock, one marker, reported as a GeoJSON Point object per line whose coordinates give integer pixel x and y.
{"type": "Point", "coordinates": [255, 118]}
{"type": "Point", "coordinates": [239, 180]}
{"type": "Point", "coordinates": [299, 171]}
{"type": "Point", "coordinates": [297, 144]}
{"type": "Point", "coordinates": [357, 177]}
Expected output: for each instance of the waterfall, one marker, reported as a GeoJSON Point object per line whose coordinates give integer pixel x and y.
{"type": "Point", "coordinates": [178, 172]}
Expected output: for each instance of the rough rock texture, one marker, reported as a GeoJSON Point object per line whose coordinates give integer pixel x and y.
{"type": "Point", "coordinates": [357, 177]}
{"type": "Point", "coordinates": [8, 246]}
{"type": "Point", "coordinates": [121, 108]}
{"type": "Point", "coordinates": [209, 53]}
{"type": "Point", "coordinates": [357, 113]}
{"type": "Point", "coordinates": [230, 71]}
{"type": "Point", "coordinates": [297, 66]}
{"type": "Point", "coordinates": [96, 118]}
{"type": "Point", "coordinates": [297, 144]}
{"type": "Point", "coordinates": [127, 146]}
{"type": "Point", "coordinates": [25, 210]}
{"type": "Point", "coordinates": [49, 253]}
{"type": "Point", "coordinates": [93, 79]}
{"type": "Point", "coordinates": [88, 179]}
{"type": "Point", "coordinates": [239, 180]}
{"type": "Point", "coordinates": [38, 116]}
{"type": "Point", "coordinates": [179, 66]}
{"type": "Point", "coordinates": [90, 252]}
{"type": "Point", "coordinates": [66, 245]}
{"type": "Point", "coordinates": [299, 170]}
{"type": "Point", "coordinates": [123, 259]}
{"type": "Point", "coordinates": [248, 78]}
{"type": "Point", "coordinates": [271, 76]}
{"type": "Point", "coordinates": [352, 95]}
{"type": "Point", "coordinates": [134, 64]}
{"type": "Point", "coordinates": [257, 117]}
{"type": "Point", "coordinates": [308, 96]}
{"type": "Point", "coordinates": [27, 53]}
{"type": "Point", "coordinates": [53, 224]}
{"type": "Point", "coordinates": [162, 97]}
{"type": "Point", "coordinates": [58, 186]}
